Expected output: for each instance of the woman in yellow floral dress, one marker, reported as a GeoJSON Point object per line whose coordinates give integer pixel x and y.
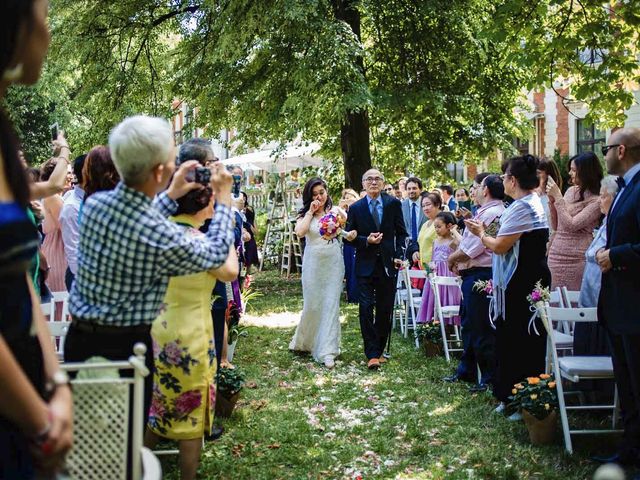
{"type": "Point", "coordinates": [183, 401]}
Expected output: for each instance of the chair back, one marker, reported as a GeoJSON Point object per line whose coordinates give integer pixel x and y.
{"type": "Point", "coordinates": [565, 316]}
{"type": "Point", "coordinates": [61, 298]}
{"type": "Point", "coordinates": [101, 404]}
{"type": "Point", "coordinates": [571, 297]}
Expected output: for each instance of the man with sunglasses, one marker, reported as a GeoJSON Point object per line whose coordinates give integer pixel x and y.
{"type": "Point", "coordinates": [618, 310]}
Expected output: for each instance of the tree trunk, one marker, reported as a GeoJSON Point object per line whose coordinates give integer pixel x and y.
{"type": "Point", "coordinates": [354, 134]}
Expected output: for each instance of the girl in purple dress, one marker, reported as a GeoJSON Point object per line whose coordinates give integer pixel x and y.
{"type": "Point", "coordinates": [446, 242]}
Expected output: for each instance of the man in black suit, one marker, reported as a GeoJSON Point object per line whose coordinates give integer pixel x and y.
{"type": "Point", "coordinates": [379, 251]}
{"type": "Point", "coordinates": [617, 305]}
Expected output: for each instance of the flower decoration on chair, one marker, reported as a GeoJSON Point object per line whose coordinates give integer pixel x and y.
{"type": "Point", "coordinates": [537, 395]}
{"type": "Point", "coordinates": [332, 224]}
{"type": "Point", "coordinates": [538, 299]}
{"type": "Point", "coordinates": [485, 286]}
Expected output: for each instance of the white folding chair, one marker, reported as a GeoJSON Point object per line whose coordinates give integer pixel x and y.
{"type": "Point", "coordinates": [562, 332]}
{"type": "Point", "coordinates": [61, 298]}
{"type": "Point", "coordinates": [101, 421]}
{"type": "Point", "coordinates": [414, 300]}
{"type": "Point", "coordinates": [399, 304]}
{"type": "Point", "coordinates": [48, 310]}
{"type": "Point", "coordinates": [576, 368]}
{"type": "Point", "coordinates": [58, 332]}
{"type": "Point", "coordinates": [452, 343]}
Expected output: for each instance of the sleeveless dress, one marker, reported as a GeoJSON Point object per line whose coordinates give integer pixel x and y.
{"type": "Point", "coordinates": [322, 272]}
{"type": "Point", "coordinates": [520, 353]}
{"type": "Point", "coordinates": [183, 399]}
{"type": "Point", "coordinates": [18, 245]}
{"type": "Point", "coordinates": [448, 295]}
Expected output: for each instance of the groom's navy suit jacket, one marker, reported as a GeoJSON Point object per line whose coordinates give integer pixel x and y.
{"type": "Point", "coordinates": [393, 232]}
{"type": "Point", "coordinates": [620, 290]}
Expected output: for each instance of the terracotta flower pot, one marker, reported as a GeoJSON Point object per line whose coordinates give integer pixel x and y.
{"type": "Point", "coordinates": [225, 406]}
{"type": "Point", "coordinates": [541, 432]}
{"type": "Point", "coordinates": [432, 349]}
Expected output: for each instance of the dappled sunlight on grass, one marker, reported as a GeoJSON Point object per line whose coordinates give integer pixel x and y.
{"type": "Point", "coordinates": [303, 421]}
{"type": "Point", "coordinates": [442, 410]}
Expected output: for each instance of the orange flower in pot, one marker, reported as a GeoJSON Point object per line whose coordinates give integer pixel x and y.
{"type": "Point", "coordinates": [537, 398]}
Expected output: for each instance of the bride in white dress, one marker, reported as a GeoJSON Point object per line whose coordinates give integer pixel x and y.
{"type": "Point", "coordinates": [322, 272]}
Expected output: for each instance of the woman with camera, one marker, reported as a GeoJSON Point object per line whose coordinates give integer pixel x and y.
{"type": "Point", "coordinates": [183, 399]}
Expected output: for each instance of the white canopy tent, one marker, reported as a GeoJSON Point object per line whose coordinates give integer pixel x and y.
{"type": "Point", "coordinates": [274, 161]}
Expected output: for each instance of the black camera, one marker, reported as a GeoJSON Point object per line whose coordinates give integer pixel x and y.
{"type": "Point", "coordinates": [201, 175]}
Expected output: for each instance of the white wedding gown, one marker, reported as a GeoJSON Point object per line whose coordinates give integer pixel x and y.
{"type": "Point", "coordinates": [322, 273]}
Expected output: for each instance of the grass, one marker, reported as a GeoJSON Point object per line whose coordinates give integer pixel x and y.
{"type": "Point", "coordinates": [302, 421]}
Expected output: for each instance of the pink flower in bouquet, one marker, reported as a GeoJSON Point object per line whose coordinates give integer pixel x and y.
{"type": "Point", "coordinates": [536, 296]}
{"type": "Point", "coordinates": [488, 289]}
{"type": "Point", "coordinates": [330, 225]}
{"type": "Point", "coordinates": [188, 402]}
{"type": "Point", "coordinates": [247, 281]}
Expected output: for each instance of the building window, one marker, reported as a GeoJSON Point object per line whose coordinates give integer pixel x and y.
{"type": "Point", "coordinates": [590, 138]}
{"type": "Point", "coordinates": [521, 146]}
{"type": "Point", "coordinates": [456, 171]}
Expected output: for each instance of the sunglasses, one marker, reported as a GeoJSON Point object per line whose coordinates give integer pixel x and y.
{"type": "Point", "coordinates": [606, 148]}
{"type": "Point", "coordinates": [388, 189]}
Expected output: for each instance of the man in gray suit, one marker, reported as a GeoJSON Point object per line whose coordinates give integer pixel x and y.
{"type": "Point", "coordinates": [412, 212]}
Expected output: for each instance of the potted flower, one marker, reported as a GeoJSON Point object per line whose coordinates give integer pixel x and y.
{"type": "Point", "coordinates": [537, 398]}
{"type": "Point", "coordinates": [230, 382]}
{"type": "Point", "coordinates": [235, 332]}
{"type": "Point", "coordinates": [430, 338]}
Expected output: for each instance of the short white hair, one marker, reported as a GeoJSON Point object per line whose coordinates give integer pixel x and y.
{"type": "Point", "coordinates": [138, 144]}
{"type": "Point", "coordinates": [609, 184]}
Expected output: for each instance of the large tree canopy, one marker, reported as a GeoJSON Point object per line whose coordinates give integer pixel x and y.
{"type": "Point", "coordinates": [415, 83]}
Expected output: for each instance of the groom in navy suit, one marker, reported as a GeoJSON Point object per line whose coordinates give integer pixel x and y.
{"type": "Point", "coordinates": [379, 251]}
{"type": "Point", "coordinates": [620, 290]}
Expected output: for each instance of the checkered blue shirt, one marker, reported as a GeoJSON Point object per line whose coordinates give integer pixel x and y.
{"type": "Point", "coordinates": [128, 250]}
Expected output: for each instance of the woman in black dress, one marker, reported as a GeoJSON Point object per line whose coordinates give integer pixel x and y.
{"type": "Point", "coordinates": [34, 434]}
{"type": "Point", "coordinates": [519, 261]}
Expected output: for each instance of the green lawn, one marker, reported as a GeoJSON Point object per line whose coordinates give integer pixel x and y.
{"type": "Point", "coordinates": [302, 421]}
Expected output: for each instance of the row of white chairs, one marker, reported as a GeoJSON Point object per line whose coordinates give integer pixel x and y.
{"type": "Point", "coordinates": [409, 300]}
{"type": "Point", "coordinates": [562, 315]}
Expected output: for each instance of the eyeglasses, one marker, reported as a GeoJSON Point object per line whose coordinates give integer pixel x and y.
{"type": "Point", "coordinates": [606, 148]}
{"type": "Point", "coordinates": [388, 189]}
{"type": "Point", "coordinates": [374, 179]}
{"type": "Point", "coordinates": [505, 175]}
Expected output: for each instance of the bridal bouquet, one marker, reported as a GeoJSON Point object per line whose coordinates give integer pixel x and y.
{"type": "Point", "coordinates": [332, 224]}
{"type": "Point", "coordinates": [538, 299]}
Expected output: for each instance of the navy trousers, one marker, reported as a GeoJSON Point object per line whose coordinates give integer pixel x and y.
{"type": "Point", "coordinates": [376, 292]}
{"type": "Point", "coordinates": [478, 336]}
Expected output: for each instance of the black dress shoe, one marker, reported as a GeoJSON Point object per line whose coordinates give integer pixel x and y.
{"type": "Point", "coordinates": [216, 433]}
{"type": "Point", "coordinates": [478, 388]}
{"type": "Point", "coordinates": [457, 378]}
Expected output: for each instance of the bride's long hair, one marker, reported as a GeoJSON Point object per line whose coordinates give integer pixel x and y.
{"type": "Point", "coordinates": [307, 195]}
